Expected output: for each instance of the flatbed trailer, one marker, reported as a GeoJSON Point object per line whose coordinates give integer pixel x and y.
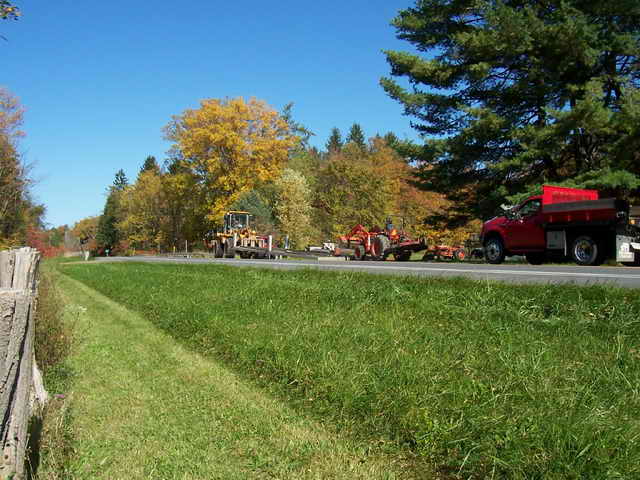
{"type": "Point", "coordinates": [274, 252]}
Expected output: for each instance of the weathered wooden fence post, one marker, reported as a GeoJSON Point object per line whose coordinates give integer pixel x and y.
{"type": "Point", "coordinates": [21, 391]}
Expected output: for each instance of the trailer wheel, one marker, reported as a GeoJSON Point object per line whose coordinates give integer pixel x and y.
{"type": "Point", "coordinates": [402, 257]}
{"type": "Point", "coordinates": [535, 258]}
{"type": "Point", "coordinates": [379, 245]}
{"type": "Point", "coordinates": [459, 255]}
{"type": "Point", "coordinates": [229, 249]}
{"type": "Point", "coordinates": [494, 250]}
{"type": "Point", "coordinates": [359, 252]}
{"type": "Point", "coordinates": [586, 251]}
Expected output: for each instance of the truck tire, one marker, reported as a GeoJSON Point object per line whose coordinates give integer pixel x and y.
{"type": "Point", "coordinates": [535, 258]}
{"type": "Point", "coordinates": [494, 250]}
{"type": "Point", "coordinates": [229, 250]}
{"type": "Point", "coordinates": [379, 245]}
{"type": "Point", "coordinates": [218, 249]}
{"type": "Point", "coordinates": [459, 254]}
{"type": "Point", "coordinates": [586, 251]}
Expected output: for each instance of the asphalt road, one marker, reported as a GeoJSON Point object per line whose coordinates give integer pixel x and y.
{"type": "Point", "coordinates": [512, 273]}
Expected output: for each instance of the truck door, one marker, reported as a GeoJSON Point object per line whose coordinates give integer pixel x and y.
{"type": "Point", "coordinates": [526, 231]}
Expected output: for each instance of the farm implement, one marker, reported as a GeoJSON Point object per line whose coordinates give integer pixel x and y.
{"type": "Point", "coordinates": [445, 252]}
{"type": "Point", "coordinates": [379, 244]}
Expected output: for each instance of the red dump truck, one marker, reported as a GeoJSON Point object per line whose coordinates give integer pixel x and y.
{"type": "Point", "coordinates": [565, 223]}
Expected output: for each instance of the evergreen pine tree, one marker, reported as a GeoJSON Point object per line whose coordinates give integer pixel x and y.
{"type": "Point", "coordinates": [356, 136]}
{"type": "Point", "coordinates": [121, 181]}
{"type": "Point", "coordinates": [391, 139]}
{"type": "Point", "coordinates": [516, 94]}
{"type": "Point", "coordinates": [150, 164]}
{"type": "Point", "coordinates": [107, 234]}
{"type": "Point", "coordinates": [334, 144]}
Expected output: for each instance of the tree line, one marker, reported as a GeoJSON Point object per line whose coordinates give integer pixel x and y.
{"type": "Point", "coordinates": [237, 154]}
{"type": "Point", "coordinates": [513, 94]}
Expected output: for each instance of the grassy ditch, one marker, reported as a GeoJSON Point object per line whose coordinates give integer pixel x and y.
{"type": "Point", "coordinates": [141, 406]}
{"type": "Point", "coordinates": [479, 379]}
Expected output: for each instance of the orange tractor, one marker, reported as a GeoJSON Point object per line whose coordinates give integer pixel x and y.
{"type": "Point", "coordinates": [378, 244]}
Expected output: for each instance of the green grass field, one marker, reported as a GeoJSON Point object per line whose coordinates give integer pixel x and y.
{"type": "Point", "coordinates": [132, 403]}
{"type": "Point", "coordinates": [470, 379]}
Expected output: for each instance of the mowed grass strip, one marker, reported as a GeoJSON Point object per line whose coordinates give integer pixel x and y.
{"type": "Point", "coordinates": [479, 379]}
{"type": "Point", "coordinates": [142, 406]}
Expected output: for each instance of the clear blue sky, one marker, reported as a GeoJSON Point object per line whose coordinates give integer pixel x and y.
{"type": "Point", "coordinates": [100, 79]}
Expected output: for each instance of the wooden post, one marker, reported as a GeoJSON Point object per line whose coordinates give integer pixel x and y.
{"type": "Point", "coordinates": [21, 391]}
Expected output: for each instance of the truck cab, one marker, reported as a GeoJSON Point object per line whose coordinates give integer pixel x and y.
{"type": "Point", "coordinates": [564, 222]}
{"type": "Point", "coordinates": [519, 231]}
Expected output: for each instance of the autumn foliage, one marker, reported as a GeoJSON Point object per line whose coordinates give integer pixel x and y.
{"type": "Point", "coordinates": [230, 146]}
{"type": "Point", "coordinates": [243, 155]}
{"type": "Point", "coordinates": [18, 211]}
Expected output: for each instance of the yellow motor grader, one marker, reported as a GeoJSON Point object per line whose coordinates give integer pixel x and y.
{"type": "Point", "coordinates": [236, 231]}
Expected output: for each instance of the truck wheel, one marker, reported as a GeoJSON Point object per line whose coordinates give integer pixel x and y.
{"type": "Point", "coordinates": [359, 252]}
{"type": "Point", "coordinates": [494, 250]}
{"type": "Point", "coordinates": [535, 258]}
{"type": "Point", "coordinates": [229, 250]}
{"type": "Point", "coordinates": [586, 251]}
{"type": "Point", "coordinates": [218, 249]}
{"type": "Point", "coordinates": [378, 246]}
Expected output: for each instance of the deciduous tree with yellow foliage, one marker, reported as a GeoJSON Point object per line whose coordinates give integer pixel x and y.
{"type": "Point", "coordinates": [230, 146]}
{"type": "Point", "coordinates": [144, 208]}
{"type": "Point", "coordinates": [85, 231]}
{"type": "Point", "coordinates": [293, 207]}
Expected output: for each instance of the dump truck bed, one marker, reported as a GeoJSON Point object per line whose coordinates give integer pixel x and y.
{"type": "Point", "coordinates": [601, 211]}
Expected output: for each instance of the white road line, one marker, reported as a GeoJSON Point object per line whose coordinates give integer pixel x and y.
{"type": "Point", "coordinates": [455, 270]}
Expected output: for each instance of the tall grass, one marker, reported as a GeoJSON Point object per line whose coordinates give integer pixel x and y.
{"type": "Point", "coordinates": [55, 336]}
{"type": "Point", "coordinates": [478, 379]}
